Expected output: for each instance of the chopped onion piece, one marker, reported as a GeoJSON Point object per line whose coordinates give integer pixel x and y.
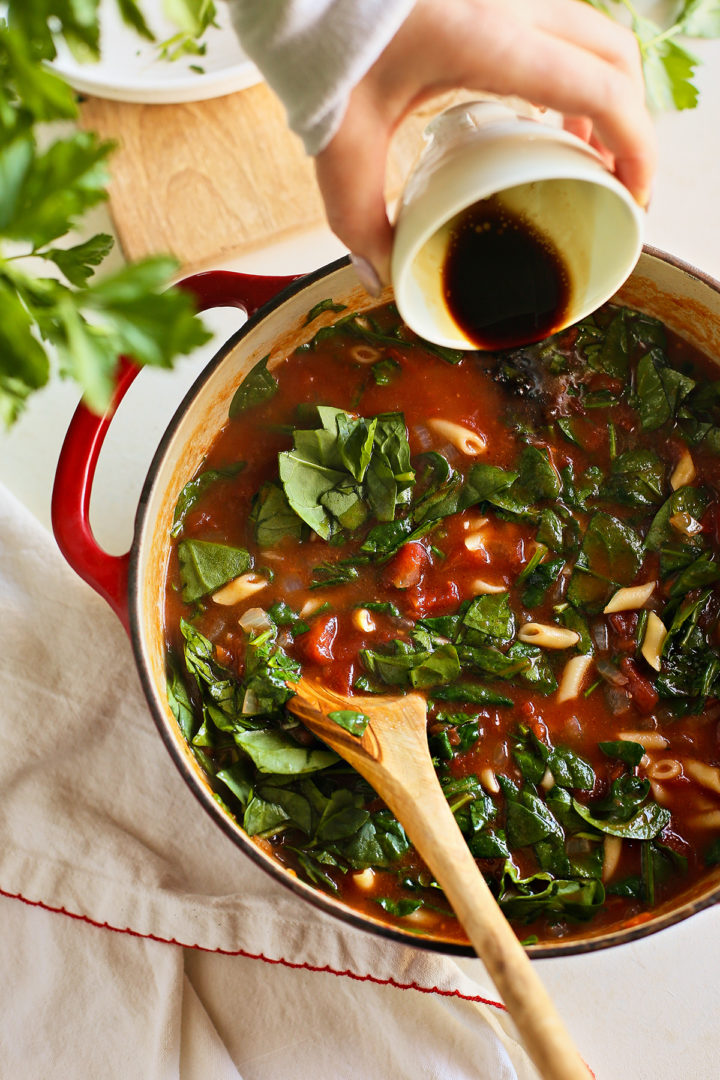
{"type": "Point", "coordinates": [255, 621]}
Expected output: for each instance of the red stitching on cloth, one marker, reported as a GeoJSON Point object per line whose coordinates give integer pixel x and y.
{"type": "Point", "coordinates": [254, 956]}
{"type": "Point", "coordinates": [259, 956]}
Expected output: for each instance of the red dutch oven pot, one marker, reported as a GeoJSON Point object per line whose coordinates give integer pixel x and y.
{"type": "Point", "coordinates": [134, 584]}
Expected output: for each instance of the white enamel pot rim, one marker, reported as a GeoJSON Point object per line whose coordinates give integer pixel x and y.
{"type": "Point", "coordinates": [687, 299]}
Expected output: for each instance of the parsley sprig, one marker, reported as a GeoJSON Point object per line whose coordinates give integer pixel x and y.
{"type": "Point", "coordinates": [64, 321]}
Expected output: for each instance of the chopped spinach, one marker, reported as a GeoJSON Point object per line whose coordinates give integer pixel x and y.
{"type": "Point", "coordinates": [206, 566]}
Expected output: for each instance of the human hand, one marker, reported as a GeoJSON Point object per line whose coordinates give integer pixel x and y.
{"type": "Point", "coordinates": [562, 54]}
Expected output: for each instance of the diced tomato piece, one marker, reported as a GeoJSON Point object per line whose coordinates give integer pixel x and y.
{"type": "Point", "coordinates": [435, 599]}
{"type": "Point", "coordinates": [317, 642]}
{"type": "Point", "coordinates": [624, 624]}
{"type": "Point", "coordinates": [642, 691]}
{"type": "Point", "coordinates": [407, 567]}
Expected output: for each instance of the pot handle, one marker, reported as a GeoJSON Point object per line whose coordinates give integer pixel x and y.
{"type": "Point", "coordinates": [70, 509]}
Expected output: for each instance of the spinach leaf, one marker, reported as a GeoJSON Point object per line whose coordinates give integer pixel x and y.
{"type": "Point", "coordinates": [333, 573]}
{"type": "Point", "coordinates": [349, 720]}
{"type": "Point", "coordinates": [536, 670]}
{"type": "Point", "coordinates": [645, 824]}
{"type": "Point", "coordinates": [275, 752]}
{"type": "Point", "coordinates": [539, 581]}
{"type": "Point", "coordinates": [379, 842]}
{"type": "Point", "coordinates": [569, 770]}
{"type": "Point", "coordinates": [196, 488]}
{"type": "Point", "coordinates": [528, 818]}
{"type": "Point", "coordinates": [399, 908]}
{"type": "Point", "coordinates": [262, 818]}
{"type": "Point", "coordinates": [686, 500]}
{"type": "Point", "coordinates": [473, 693]}
{"type": "Point", "coordinates": [491, 619]}
{"type": "Point", "coordinates": [236, 778]}
{"type": "Point", "coordinates": [525, 899]}
{"type": "Point", "coordinates": [356, 437]}
{"type": "Point", "coordinates": [283, 615]}
{"type": "Point", "coordinates": [637, 478]}
{"type": "Point", "coordinates": [305, 479]}
{"type": "Point", "coordinates": [268, 670]}
{"type": "Point", "coordinates": [624, 750]}
{"type": "Point", "coordinates": [550, 530]}
{"type": "Point", "coordinates": [206, 566]}
{"type": "Point", "coordinates": [608, 351]}
{"type": "Point", "coordinates": [384, 371]}
{"type": "Point", "coordinates": [660, 390]}
{"type": "Point", "coordinates": [537, 479]}
{"type": "Point", "coordinates": [420, 669]}
{"type": "Point", "coordinates": [610, 555]}
{"type": "Point", "coordinates": [272, 517]}
{"type": "Point", "coordinates": [702, 571]}
{"type": "Point", "coordinates": [215, 682]}
{"type": "Point", "coordinates": [180, 703]}
{"type": "Point", "coordinates": [258, 386]}
{"type": "Point", "coordinates": [320, 307]}
{"type": "Point", "coordinates": [574, 620]}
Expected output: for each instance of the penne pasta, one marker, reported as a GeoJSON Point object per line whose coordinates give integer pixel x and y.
{"type": "Point", "coordinates": [660, 792]}
{"type": "Point", "coordinates": [684, 472]}
{"type": "Point", "coordinates": [240, 588]}
{"type": "Point", "coordinates": [365, 354]}
{"type": "Point", "coordinates": [480, 587]}
{"type": "Point", "coordinates": [664, 769]}
{"type": "Point", "coordinates": [574, 674]}
{"type": "Point", "coordinates": [462, 438]}
{"type": "Point", "coordinates": [630, 598]}
{"type": "Point", "coordinates": [653, 641]}
{"type": "Point", "coordinates": [710, 819]}
{"type": "Point", "coordinates": [708, 776]}
{"type": "Point", "coordinates": [612, 847]}
{"type": "Point", "coordinates": [548, 636]}
{"type": "Point", "coordinates": [488, 779]}
{"type": "Point", "coordinates": [311, 605]}
{"type": "Point", "coordinates": [651, 740]}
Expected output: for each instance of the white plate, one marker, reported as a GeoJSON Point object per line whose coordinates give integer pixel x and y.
{"type": "Point", "coordinates": [130, 69]}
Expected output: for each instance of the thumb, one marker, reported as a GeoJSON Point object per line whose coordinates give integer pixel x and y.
{"type": "Point", "coordinates": [351, 176]}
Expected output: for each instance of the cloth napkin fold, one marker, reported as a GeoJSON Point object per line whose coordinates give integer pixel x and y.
{"type": "Point", "coordinates": [96, 822]}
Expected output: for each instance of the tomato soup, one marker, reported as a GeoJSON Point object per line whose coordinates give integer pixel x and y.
{"type": "Point", "coordinates": [530, 540]}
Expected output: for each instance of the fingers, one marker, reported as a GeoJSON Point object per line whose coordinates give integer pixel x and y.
{"type": "Point", "coordinates": [542, 67]}
{"type": "Point", "coordinates": [351, 176]}
{"type": "Point", "coordinates": [588, 28]}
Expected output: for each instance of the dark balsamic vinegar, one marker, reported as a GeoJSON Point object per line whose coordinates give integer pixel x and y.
{"type": "Point", "coordinates": [504, 283]}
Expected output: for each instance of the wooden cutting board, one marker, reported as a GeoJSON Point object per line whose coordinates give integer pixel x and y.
{"type": "Point", "coordinates": [211, 179]}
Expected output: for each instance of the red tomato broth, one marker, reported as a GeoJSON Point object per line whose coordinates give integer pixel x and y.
{"type": "Point", "coordinates": [436, 578]}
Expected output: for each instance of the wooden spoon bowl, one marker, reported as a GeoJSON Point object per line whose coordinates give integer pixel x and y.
{"type": "Point", "coordinates": [393, 756]}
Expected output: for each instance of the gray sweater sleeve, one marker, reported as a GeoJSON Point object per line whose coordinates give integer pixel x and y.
{"type": "Point", "coordinates": [313, 52]}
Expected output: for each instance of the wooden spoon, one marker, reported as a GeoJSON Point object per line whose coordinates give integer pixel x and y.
{"type": "Point", "coordinates": [394, 758]}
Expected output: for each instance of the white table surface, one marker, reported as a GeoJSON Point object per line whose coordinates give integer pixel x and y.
{"type": "Point", "coordinates": [646, 1011]}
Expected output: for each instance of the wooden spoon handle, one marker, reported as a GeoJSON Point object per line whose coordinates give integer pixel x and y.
{"type": "Point", "coordinates": [431, 826]}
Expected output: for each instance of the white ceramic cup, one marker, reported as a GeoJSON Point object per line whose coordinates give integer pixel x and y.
{"type": "Point", "coordinates": [551, 179]}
